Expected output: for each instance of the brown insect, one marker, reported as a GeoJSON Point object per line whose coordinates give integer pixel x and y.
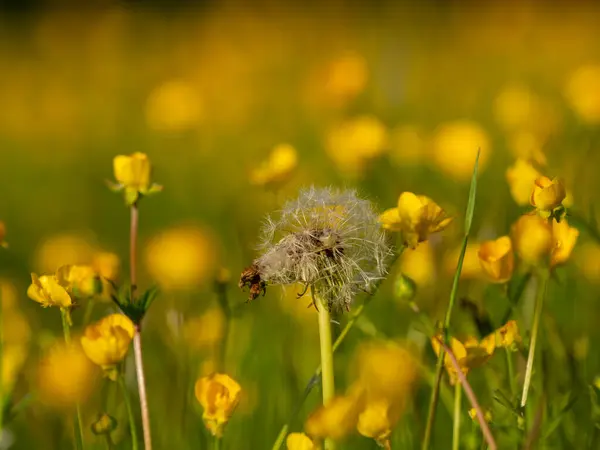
{"type": "Point", "coordinates": [251, 278]}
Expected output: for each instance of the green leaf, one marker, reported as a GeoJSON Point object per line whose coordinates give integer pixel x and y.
{"type": "Point", "coordinates": [569, 403]}
{"type": "Point", "coordinates": [472, 194]}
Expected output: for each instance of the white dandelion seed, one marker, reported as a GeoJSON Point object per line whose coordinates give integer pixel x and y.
{"type": "Point", "coordinates": [326, 239]}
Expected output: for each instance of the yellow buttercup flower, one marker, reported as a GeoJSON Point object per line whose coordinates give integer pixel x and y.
{"type": "Point", "coordinates": [416, 216]}
{"type": "Point", "coordinates": [455, 147]}
{"type": "Point", "coordinates": [547, 194]}
{"type": "Point", "coordinates": [532, 238]}
{"type": "Point", "coordinates": [583, 92]}
{"type": "Point", "coordinates": [132, 173]}
{"type": "Point", "coordinates": [521, 177]}
{"type": "Point", "coordinates": [299, 441]}
{"type": "Point", "coordinates": [181, 257]}
{"type": "Point", "coordinates": [470, 354]}
{"type": "Point", "coordinates": [507, 336]}
{"type": "Point", "coordinates": [335, 420]}
{"type": "Point", "coordinates": [65, 376]}
{"type": "Point", "coordinates": [352, 144]}
{"type": "Point", "coordinates": [278, 167]}
{"type": "Point", "coordinates": [80, 281]}
{"type": "Point", "coordinates": [376, 422]}
{"type": "Point", "coordinates": [47, 291]}
{"type": "Point", "coordinates": [107, 341]}
{"type": "Point", "coordinates": [497, 259]}
{"type": "Point", "coordinates": [564, 238]}
{"type": "Point", "coordinates": [174, 106]}
{"type": "Point", "coordinates": [219, 394]}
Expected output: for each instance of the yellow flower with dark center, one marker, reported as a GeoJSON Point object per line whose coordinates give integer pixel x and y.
{"type": "Point", "coordinates": [132, 173]}
{"type": "Point", "coordinates": [299, 441]}
{"type": "Point", "coordinates": [497, 259]}
{"type": "Point", "coordinates": [47, 291]}
{"type": "Point", "coordinates": [278, 167]}
{"type": "Point", "coordinates": [416, 216]}
{"type": "Point", "coordinates": [547, 194]}
{"type": "Point", "coordinates": [107, 341]}
{"type": "Point", "coordinates": [377, 420]}
{"type": "Point", "coordinates": [219, 394]}
{"type": "Point", "coordinates": [521, 177]}
{"type": "Point", "coordinates": [564, 238]}
{"type": "Point", "coordinates": [335, 420]}
{"type": "Point", "coordinates": [80, 281]}
{"type": "Point", "coordinates": [532, 238]}
{"type": "Point", "coordinates": [65, 376]}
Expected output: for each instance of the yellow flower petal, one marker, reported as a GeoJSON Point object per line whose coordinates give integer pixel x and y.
{"type": "Point", "coordinates": [497, 259]}
{"type": "Point", "coordinates": [299, 441]}
{"type": "Point", "coordinates": [219, 394]}
{"type": "Point", "coordinates": [564, 238]}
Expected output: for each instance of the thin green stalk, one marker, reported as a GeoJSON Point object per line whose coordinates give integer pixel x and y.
{"type": "Point", "coordinates": [539, 303]}
{"type": "Point", "coordinates": [66, 326]}
{"type": "Point", "coordinates": [110, 445]}
{"type": "Point", "coordinates": [511, 374]}
{"type": "Point", "coordinates": [457, 406]}
{"type": "Point", "coordinates": [326, 348]}
{"type": "Point", "coordinates": [130, 415]}
{"type": "Point", "coordinates": [89, 309]}
{"type": "Point", "coordinates": [217, 443]}
{"type": "Point", "coordinates": [435, 393]}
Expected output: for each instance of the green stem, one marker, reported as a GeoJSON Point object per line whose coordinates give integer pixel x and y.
{"type": "Point", "coordinates": [511, 374]}
{"type": "Point", "coordinates": [457, 406]}
{"type": "Point", "coordinates": [224, 304]}
{"type": "Point", "coordinates": [327, 378]}
{"type": "Point", "coordinates": [539, 303]}
{"type": "Point", "coordinates": [435, 393]}
{"type": "Point", "coordinates": [65, 315]}
{"type": "Point", "coordinates": [132, 425]}
{"type": "Point", "coordinates": [141, 379]}
{"type": "Point", "coordinates": [109, 442]}
{"type": "Point", "coordinates": [89, 309]}
{"type": "Point", "coordinates": [217, 443]}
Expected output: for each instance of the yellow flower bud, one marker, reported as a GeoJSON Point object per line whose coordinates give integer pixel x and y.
{"type": "Point", "coordinates": [497, 259]}
{"type": "Point", "coordinates": [532, 238]}
{"type": "Point", "coordinates": [80, 281]}
{"type": "Point", "coordinates": [277, 168]}
{"type": "Point", "coordinates": [521, 177]}
{"type": "Point", "coordinates": [133, 176]}
{"type": "Point", "coordinates": [219, 395]}
{"type": "Point", "coordinates": [299, 441]}
{"type": "Point", "coordinates": [564, 238]}
{"type": "Point", "coordinates": [375, 421]}
{"type": "Point", "coordinates": [107, 341]}
{"type": "Point", "coordinates": [104, 424]}
{"type": "Point", "coordinates": [547, 194]}
{"type": "Point", "coordinates": [47, 291]}
{"type": "Point", "coordinates": [335, 420]}
{"type": "Point", "coordinates": [65, 376]}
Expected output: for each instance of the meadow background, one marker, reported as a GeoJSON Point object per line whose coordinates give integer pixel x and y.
{"type": "Point", "coordinates": [384, 97]}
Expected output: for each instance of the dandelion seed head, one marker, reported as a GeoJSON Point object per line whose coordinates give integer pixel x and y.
{"type": "Point", "coordinates": [327, 239]}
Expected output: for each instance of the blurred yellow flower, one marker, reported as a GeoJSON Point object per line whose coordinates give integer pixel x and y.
{"type": "Point", "coordinates": [528, 146]}
{"type": "Point", "coordinates": [278, 167]}
{"type": "Point", "coordinates": [299, 441]}
{"type": "Point", "coordinates": [521, 177]}
{"type": "Point", "coordinates": [205, 331]}
{"type": "Point", "coordinates": [376, 421]}
{"type": "Point", "coordinates": [13, 357]}
{"type": "Point", "coordinates": [416, 216]}
{"type": "Point", "coordinates": [47, 291]}
{"type": "Point", "coordinates": [104, 424]}
{"type": "Point", "coordinates": [335, 420]}
{"type": "Point", "coordinates": [469, 355]}
{"type": "Point", "coordinates": [532, 238]}
{"type": "Point", "coordinates": [547, 194]}
{"type": "Point", "coordinates": [487, 414]}
{"type": "Point", "coordinates": [455, 147]}
{"type": "Point", "coordinates": [173, 106]}
{"type": "Point", "coordinates": [65, 376]}
{"type": "Point", "coordinates": [588, 261]}
{"type": "Point", "coordinates": [515, 107]}
{"type": "Point", "coordinates": [181, 257]}
{"type": "Point", "coordinates": [346, 77]}
{"type": "Point", "coordinates": [79, 281]}
{"type": "Point", "coordinates": [132, 173]}
{"type": "Point", "coordinates": [62, 249]}
{"type": "Point", "coordinates": [218, 394]}
{"type": "Point", "coordinates": [583, 92]}
{"type": "Point", "coordinates": [471, 268]}
{"type": "Point", "coordinates": [497, 259]}
{"type": "Point", "coordinates": [106, 265]}
{"type": "Point", "coordinates": [107, 341]}
{"type": "Point", "coordinates": [352, 144]}
{"type": "Point", "coordinates": [419, 264]}
{"type": "Point", "coordinates": [564, 238]}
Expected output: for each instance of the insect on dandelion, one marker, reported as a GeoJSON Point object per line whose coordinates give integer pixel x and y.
{"type": "Point", "coordinates": [326, 239]}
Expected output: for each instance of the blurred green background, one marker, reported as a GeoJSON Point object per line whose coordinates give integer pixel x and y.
{"type": "Point", "coordinates": [384, 97]}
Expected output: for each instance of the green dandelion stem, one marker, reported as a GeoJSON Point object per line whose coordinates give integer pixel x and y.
{"type": "Point", "coordinates": [435, 393]}
{"type": "Point", "coordinates": [457, 407]}
{"type": "Point", "coordinates": [131, 417]}
{"type": "Point", "coordinates": [65, 315]}
{"type": "Point", "coordinates": [539, 303]}
{"type": "Point", "coordinates": [327, 378]}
